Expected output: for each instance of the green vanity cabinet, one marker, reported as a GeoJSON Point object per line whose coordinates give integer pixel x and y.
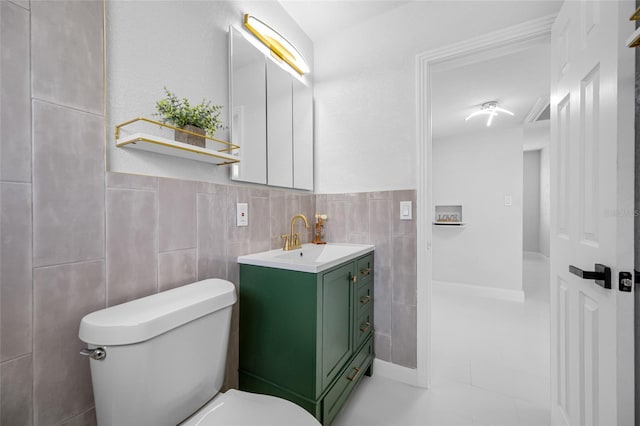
{"type": "Point", "coordinates": [307, 337]}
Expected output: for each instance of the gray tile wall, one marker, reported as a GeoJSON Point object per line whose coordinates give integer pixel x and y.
{"type": "Point", "coordinates": [374, 218]}
{"type": "Point", "coordinates": [74, 239]}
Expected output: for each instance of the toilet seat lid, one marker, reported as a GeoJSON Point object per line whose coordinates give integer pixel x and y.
{"type": "Point", "coordinates": [245, 409]}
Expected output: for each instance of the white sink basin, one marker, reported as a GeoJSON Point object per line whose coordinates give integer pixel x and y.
{"type": "Point", "coordinates": [310, 258]}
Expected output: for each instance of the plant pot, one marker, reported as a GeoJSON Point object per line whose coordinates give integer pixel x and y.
{"type": "Point", "coordinates": [199, 141]}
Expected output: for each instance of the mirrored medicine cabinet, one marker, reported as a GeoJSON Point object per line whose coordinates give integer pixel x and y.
{"type": "Point", "coordinates": [271, 119]}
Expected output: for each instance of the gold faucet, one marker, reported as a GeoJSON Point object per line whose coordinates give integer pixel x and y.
{"type": "Point", "coordinates": [292, 240]}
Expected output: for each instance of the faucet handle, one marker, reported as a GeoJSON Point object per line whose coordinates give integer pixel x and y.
{"type": "Point", "coordinates": [287, 243]}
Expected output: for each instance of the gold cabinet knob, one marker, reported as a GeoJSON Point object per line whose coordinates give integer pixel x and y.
{"type": "Point", "coordinates": [366, 299]}
{"type": "Point", "coordinates": [365, 327]}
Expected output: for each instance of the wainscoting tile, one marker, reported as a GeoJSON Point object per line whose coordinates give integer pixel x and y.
{"type": "Point", "coordinates": [128, 181]}
{"type": "Point", "coordinates": [131, 245]}
{"type": "Point", "coordinates": [336, 197]}
{"type": "Point", "coordinates": [291, 206]}
{"type": "Point", "coordinates": [176, 268]}
{"type": "Point", "coordinates": [25, 4]}
{"type": "Point", "coordinates": [260, 222]}
{"type": "Point", "coordinates": [233, 361]}
{"type": "Point", "coordinates": [380, 231]}
{"type": "Point", "coordinates": [236, 248]}
{"type": "Point", "coordinates": [321, 203]}
{"type": "Point", "coordinates": [382, 297]}
{"type": "Point", "coordinates": [62, 296]}
{"type": "Point", "coordinates": [257, 192]}
{"type": "Point", "coordinates": [212, 188]}
{"type": "Point", "coordinates": [358, 213]}
{"type": "Point", "coordinates": [15, 264]}
{"type": "Point", "coordinates": [16, 392]}
{"type": "Point", "coordinates": [382, 346]}
{"type": "Point", "coordinates": [308, 208]}
{"type": "Point", "coordinates": [15, 104]}
{"type": "Point", "coordinates": [212, 236]}
{"type": "Point", "coordinates": [336, 227]}
{"type": "Point", "coordinates": [66, 38]}
{"type": "Point", "coordinates": [177, 214]}
{"type": "Point", "coordinates": [68, 209]}
{"type": "Point", "coordinates": [88, 418]}
{"type": "Point", "coordinates": [403, 336]}
{"type": "Point", "coordinates": [278, 220]}
{"type": "Point", "coordinates": [381, 195]}
{"type": "Point", "coordinates": [405, 269]}
{"type": "Point", "coordinates": [358, 238]}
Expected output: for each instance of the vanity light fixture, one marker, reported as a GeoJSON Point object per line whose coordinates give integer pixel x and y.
{"type": "Point", "coordinates": [279, 46]}
{"type": "Point", "coordinates": [491, 109]}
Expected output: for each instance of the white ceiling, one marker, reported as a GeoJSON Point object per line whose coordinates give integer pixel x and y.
{"type": "Point", "coordinates": [324, 18]}
{"type": "Point", "coordinates": [516, 80]}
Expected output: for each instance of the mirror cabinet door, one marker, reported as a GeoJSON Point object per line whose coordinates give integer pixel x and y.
{"type": "Point", "coordinates": [279, 126]}
{"type": "Point", "coordinates": [302, 136]}
{"type": "Point", "coordinates": [249, 115]}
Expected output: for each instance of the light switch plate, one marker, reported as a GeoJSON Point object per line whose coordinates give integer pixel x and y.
{"type": "Point", "coordinates": [405, 210]}
{"type": "Point", "coordinates": [242, 214]}
{"type": "Point", "coordinates": [508, 201]}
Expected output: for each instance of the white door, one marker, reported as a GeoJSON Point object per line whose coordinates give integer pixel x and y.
{"type": "Point", "coordinates": [592, 213]}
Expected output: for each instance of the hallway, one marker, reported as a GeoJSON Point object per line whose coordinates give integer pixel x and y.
{"type": "Point", "coordinates": [490, 364]}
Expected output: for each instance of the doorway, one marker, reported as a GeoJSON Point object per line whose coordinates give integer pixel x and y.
{"type": "Point", "coordinates": [488, 337]}
{"type": "Point", "coordinates": [495, 45]}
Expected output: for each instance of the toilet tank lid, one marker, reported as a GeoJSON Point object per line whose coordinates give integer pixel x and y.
{"type": "Point", "coordinates": [142, 319]}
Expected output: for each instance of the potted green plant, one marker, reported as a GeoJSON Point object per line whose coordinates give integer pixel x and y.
{"type": "Point", "coordinates": [203, 119]}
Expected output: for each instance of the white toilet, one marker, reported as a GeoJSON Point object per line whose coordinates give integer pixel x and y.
{"type": "Point", "coordinates": [160, 360]}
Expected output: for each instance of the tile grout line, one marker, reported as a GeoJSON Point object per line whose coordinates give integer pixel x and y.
{"type": "Point", "coordinates": [32, 218]}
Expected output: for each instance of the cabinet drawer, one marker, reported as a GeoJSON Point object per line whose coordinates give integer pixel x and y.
{"type": "Point", "coordinates": [364, 326]}
{"type": "Point", "coordinates": [364, 268]}
{"type": "Point", "coordinates": [364, 298]}
{"type": "Point", "coordinates": [341, 389]}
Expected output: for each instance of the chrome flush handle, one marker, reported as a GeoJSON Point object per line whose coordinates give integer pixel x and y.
{"type": "Point", "coordinates": [98, 353]}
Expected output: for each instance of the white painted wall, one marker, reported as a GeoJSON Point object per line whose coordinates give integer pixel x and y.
{"type": "Point", "coordinates": [365, 87]}
{"type": "Point", "coordinates": [531, 201]}
{"type": "Point", "coordinates": [478, 171]}
{"type": "Point", "coordinates": [184, 46]}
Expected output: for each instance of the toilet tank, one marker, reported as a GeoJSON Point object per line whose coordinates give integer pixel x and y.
{"type": "Point", "coordinates": [165, 353]}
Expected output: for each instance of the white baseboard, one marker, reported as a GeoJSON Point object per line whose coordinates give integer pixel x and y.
{"type": "Point", "coordinates": [479, 291]}
{"type": "Point", "coordinates": [395, 372]}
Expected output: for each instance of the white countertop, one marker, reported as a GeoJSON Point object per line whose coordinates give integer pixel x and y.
{"type": "Point", "coordinates": [310, 258]}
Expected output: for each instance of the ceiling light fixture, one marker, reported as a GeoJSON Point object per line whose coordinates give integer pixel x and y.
{"type": "Point", "coordinates": [280, 47]}
{"type": "Point", "coordinates": [491, 109]}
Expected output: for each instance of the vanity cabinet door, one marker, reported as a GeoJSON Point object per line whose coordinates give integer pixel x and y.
{"type": "Point", "coordinates": [337, 320]}
{"type": "Point", "coordinates": [279, 126]}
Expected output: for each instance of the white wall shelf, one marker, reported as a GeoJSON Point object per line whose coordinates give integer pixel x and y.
{"type": "Point", "coordinates": [166, 146]}
{"type": "Point", "coordinates": [450, 224]}
{"type": "Point", "coordinates": [448, 215]}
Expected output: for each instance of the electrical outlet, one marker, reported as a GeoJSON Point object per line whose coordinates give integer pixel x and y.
{"type": "Point", "coordinates": [242, 214]}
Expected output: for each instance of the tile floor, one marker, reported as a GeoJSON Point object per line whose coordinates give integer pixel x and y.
{"type": "Point", "coordinates": [490, 365]}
